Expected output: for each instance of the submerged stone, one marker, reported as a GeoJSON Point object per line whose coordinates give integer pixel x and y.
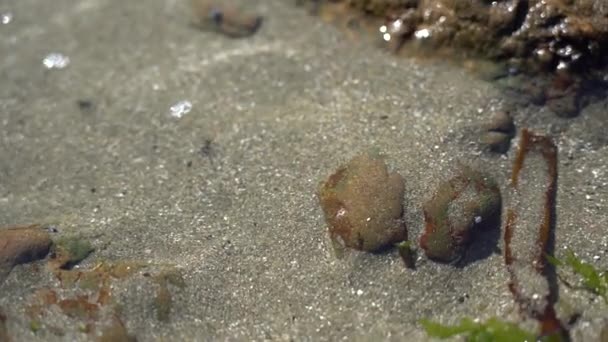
{"type": "Point", "coordinates": [499, 131]}
{"type": "Point", "coordinates": [461, 203]}
{"type": "Point", "coordinates": [225, 18]}
{"type": "Point", "coordinates": [362, 203]}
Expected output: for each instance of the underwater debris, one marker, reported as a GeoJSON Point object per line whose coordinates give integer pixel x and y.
{"type": "Point", "coordinates": [362, 203]}
{"type": "Point", "coordinates": [459, 205]}
{"type": "Point", "coordinates": [529, 230]}
{"type": "Point", "coordinates": [19, 245]}
{"type": "Point", "coordinates": [225, 18]}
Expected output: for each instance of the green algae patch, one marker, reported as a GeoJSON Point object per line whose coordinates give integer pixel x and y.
{"type": "Point", "coordinates": [459, 205]}
{"type": "Point", "coordinates": [593, 280]}
{"type": "Point", "coordinates": [492, 330]}
{"type": "Point", "coordinates": [69, 251]}
{"type": "Point", "coordinates": [362, 204]}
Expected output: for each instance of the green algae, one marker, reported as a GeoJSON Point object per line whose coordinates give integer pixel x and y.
{"type": "Point", "coordinates": [491, 330]}
{"type": "Point", "coordinates": [71, 250]}
{"type": "Point", "coordinates": [593, 280]}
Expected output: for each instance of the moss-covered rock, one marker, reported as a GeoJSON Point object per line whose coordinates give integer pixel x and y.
{"type": "Point", "coordinates": [362, 203]}
{"type": "Point", "coordinates": [461, 203]}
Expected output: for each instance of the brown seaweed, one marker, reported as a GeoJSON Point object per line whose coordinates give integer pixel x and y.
{"type": "Point", "coordinates": [529, 232]}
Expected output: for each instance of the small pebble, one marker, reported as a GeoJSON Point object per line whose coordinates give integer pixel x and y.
{"type": "Point", "coordinates": [501, 121]}
{"type": "Point", "coordinates": [362, 203]}
{"type": "Point", "coordinates": [498, 132]}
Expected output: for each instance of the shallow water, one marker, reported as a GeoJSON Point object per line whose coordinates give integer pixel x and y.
{"type": "Point", "coordinates": [226, 191]}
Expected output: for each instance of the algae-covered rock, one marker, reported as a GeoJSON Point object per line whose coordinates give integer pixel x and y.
{"type": "Point", "coordinates": [464, 201]}
{"type": "Point", "coordinates": [362, 203]}
{"type": "Point", "coordinates": [22, 245]}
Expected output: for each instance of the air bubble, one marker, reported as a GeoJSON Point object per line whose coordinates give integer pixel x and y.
{"type": "Point", "coordinates": [56, 61]}
{"type": "Point", "coordinates": [180, 109]}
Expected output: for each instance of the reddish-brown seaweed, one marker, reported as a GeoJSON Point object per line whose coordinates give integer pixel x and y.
{"type": "Point", "coordinates": [529, 229]}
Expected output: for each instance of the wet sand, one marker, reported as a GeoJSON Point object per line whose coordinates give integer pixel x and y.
{"type": "Point", "coordinates": [227, 192]}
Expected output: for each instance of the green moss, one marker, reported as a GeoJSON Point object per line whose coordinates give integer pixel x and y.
{"type": "Point", "coordinates": [594, 280]}
{"type": "Point", "coordinates": [491, 330]}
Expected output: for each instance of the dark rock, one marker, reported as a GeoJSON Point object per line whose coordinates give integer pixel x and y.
{"type": "Point", "coordinates": [362, 203]}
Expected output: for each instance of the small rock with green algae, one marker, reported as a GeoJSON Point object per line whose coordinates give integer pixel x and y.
{"type": "Point", "coordinates": [69, 251]}
{"type": "Point", "coordinates": [20, 245]}
{"type": "Point", "coordinates": [362, 203]}
{"type": "Point", "coordinates": [461, 203]}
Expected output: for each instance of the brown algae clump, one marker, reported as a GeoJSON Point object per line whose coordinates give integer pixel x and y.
{"type": "Point", "coordinates": [362, 203]}
{"type": "Point", "coordinates": [460, 204]}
